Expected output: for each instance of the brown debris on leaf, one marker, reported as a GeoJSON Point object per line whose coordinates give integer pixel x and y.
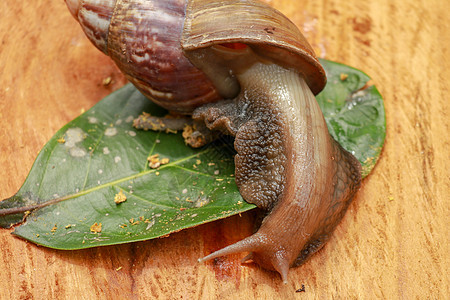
{"type": "Point", "coordinates": [169, 123]}
{"type": "Point", "coordinates": [155, 162]}
{"type": "Point", "coordinates": [96, 227]}
{"type": "Point", "coordinates": [120, 197]}
{"type": "Point", "coordinates": [343, 76]}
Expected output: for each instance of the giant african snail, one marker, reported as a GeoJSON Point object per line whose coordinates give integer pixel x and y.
{"type": "Point", "coordinates": [245, 70]}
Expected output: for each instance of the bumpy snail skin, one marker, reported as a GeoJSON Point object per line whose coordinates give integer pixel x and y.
{"type": "Point", "coordinates": [286, 161]}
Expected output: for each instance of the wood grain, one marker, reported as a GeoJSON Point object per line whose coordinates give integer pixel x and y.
{"type": "Point", "coordinates": [393, 242]}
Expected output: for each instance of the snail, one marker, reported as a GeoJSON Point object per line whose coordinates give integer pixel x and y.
{"type": "Point", "coordinates": [241, 68]}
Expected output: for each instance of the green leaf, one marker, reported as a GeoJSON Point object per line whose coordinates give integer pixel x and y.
{"type": "Point", "coordinates": [354, 112]}
{"type": "Point", "coordinates": [97, 156]}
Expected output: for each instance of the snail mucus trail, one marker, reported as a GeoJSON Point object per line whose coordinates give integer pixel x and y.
{"type": "Point", "coordinates": [286, 163]}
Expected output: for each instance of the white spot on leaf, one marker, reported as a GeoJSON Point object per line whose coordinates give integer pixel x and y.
{"type": "Point", "coordinates": [77, 152]}
{"type": "Point", "coordinates": [93, 120]}
{"type": "Point", "coordinates": [150, 224]}
{"type": "Point", "coordinates": [112, 131]}
{"type": "Point", "coordinates": [73, 136]}
{"type": "Point", "coordinates": [201, 202]}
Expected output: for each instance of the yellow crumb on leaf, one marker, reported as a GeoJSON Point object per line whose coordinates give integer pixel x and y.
{"type": "Point", "coordinates": [187, 131]}
{"type": "Point", "coordinates": [157, 173]}
{"type": "Point", "coordinates": [168, 130]}
{"type": "Point", "coordinates": [54, 228]}
{"type": "Point", "coordinates": [153, 158]}
{"type": "Point", "coordinates": [133, 222]}
{"type": "Point", "coordinates": [96, 227]}
{"type": "Point", "coordinates": [153, 161]}
{"type": "Point", "coordinates": [107, 81]}
{"type": "Point", "coordinates": [154, 165]}
{"type": "Point", "coordinates": [120, 197]}
{"type": "Point", "coordinates": [61, 140]}
{"type": "Point", "coordinates": [343, 76]}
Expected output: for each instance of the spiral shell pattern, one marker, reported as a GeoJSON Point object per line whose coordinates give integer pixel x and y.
{"type": "Point", "coordinates": [143, 39]}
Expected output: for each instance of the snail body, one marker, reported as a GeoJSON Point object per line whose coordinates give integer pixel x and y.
{"type": "Point", "coordinates": [243, 69]}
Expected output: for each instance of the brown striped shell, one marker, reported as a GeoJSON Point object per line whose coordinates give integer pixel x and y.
{"type": "Point", "coordinates": [143, 39]}
{"type": "Point", "coordinates": [147, 40]}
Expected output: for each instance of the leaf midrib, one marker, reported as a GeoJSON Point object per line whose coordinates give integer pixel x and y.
{"type": "Point", "coordinates": [118, 181]}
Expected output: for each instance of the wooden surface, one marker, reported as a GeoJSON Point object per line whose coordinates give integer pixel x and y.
{"type": "Point", "coordinates": [393, 242]}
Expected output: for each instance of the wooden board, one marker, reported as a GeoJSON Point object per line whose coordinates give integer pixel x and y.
{"type": "Point", "coordinates": [393, 242]}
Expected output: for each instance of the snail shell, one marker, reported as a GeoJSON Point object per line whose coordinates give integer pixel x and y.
{"type": "Point", "coordinates": [260, 90]}
{"type": "Point", "coordinates": [144, 39]}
